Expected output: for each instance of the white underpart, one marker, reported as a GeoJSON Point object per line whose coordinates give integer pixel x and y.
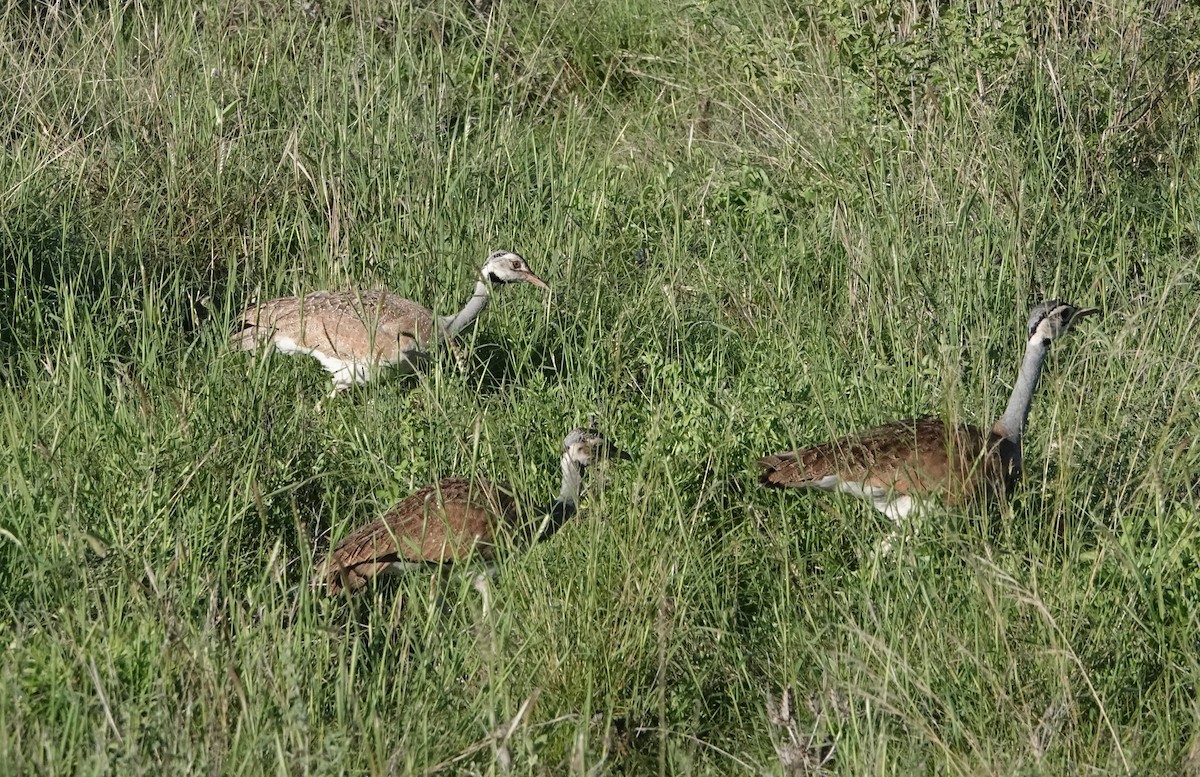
{"type": "Point", "coordinates": [893, 505]}
{"type": "Point", "coordinates": [400, 567]}
{"type": "Point", "coordinates": [346, 372]}
{"type": "Point", "coordinates": [289, 346]}
{"type": "Point", "coordinates": [404, 567]}
{"type": "Point", "coordinates": [885, 500]}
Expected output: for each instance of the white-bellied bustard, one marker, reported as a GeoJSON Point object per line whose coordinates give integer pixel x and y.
{"type": "Point", "coordinates": [459, 518]}
{"type": "Point", "coordinates": [354, 334]}
{"type": "Point", "coordinates": [897, 465]}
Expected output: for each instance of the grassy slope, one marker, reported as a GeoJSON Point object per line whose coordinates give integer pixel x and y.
{"type": "Point", "coordinates": [761, 228]}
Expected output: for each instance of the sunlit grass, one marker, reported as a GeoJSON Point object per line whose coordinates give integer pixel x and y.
{"type": "Point", "coordinates": [749, 249]}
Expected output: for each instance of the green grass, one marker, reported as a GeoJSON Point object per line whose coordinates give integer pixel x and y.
{"type": "Point", "coordinates": [764, 226]}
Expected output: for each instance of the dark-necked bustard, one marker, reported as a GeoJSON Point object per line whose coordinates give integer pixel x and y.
{"type": "Point", "coordinates": [898, 464]}
{"type": "Point", "coordinates": [458, 518]}
{"type": "Point", "coordinates": [353, 334]}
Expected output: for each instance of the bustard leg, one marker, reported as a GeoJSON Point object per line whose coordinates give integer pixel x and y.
{"type": "Point", "coordinates": [479, 581]}
{"type": "Point", "coordinates": [332, 395]}
{"type": "Point", "coordinates": [460, 356]}
{"type": "Point", "coordinates": [898, 507]}
{"type": "Point", "coordinates": [343, 379]}
{"type": "Point", "coordinates": [480, 584]}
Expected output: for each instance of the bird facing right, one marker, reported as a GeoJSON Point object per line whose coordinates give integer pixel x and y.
{"type": "Point", "coordinates": [354, 334]}
{"type": "Point", "coordinates": [459, 518]}
{"type": "Point", "coordinates": [899, 465]}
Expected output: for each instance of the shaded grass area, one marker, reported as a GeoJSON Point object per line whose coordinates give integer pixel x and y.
{"type": "Point", "coordinates": [763, 226]}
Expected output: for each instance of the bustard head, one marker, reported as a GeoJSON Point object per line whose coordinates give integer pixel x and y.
{"type": "Point", "coordinates": [582, 446]}
{"type": "Point", "coordinates": [508, 267]}
{"type": "Point", "coordinates": [1053, 318]}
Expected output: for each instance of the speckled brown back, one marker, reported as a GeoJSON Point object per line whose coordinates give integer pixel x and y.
{"type": "Point", "coordinates": [375, 326]}
{"type": "Point", "coordinates": [913, 457]}
{"type": "Point", "coordinates": [444, 522]}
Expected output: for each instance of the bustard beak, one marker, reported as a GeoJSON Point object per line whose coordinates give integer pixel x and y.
{"type": "Point", "coordinates": [613, 452]}
{"type": "Point", "coordinates": [1085, 312]}
{"type": "Point", "coordinates": [604, 448]}
{"type": "Point", "coordinates": [529, 277]}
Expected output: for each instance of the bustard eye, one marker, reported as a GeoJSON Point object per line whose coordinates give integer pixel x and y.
{"type": "Point", "coordinates": [516, 265]}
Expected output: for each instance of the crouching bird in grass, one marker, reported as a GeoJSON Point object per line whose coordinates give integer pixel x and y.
{"type": "Point", "coordinates": [354, 334]}
{"type": "Point", "coordinates": [457, 519]}
{"type": "Point", "coordinates": [900, 464]}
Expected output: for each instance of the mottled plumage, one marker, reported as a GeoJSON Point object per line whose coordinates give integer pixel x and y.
{"type": "Point", "coordinates": [900, 464]}
{"type": "Point", "coordinates": [349, 332]}
{"type": "Point", "coordinates": [914, 457]}
{"type": "Point", "coordinates": [444, 522]}
{"type": "Point", "coordinates": [458, 518]}
{"type": "Point", "coordinates": [354, 334]}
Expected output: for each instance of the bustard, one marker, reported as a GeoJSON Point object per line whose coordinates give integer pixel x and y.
{"type": "Point", "coordinates": [459, 518]}
{"type": "Point", "coordinates": [899, 464]}
{"type": "Point", "coordinates": [353, 334]}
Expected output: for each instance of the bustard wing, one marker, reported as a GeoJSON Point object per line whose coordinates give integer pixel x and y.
{"type": "Point", "coordinates": [364, 326]}
{"type": "Point", "coordinates": [913, 456]}
{"type": "Point", "coordinates": [443, 522]}
{"type": "Point", "coordinates": [257, 323]}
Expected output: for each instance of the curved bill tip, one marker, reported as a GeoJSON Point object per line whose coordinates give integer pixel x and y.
{"type": "Point", "coordinates": [529, 277]}
{"type": "Point", "coordinates": [1081, 312]}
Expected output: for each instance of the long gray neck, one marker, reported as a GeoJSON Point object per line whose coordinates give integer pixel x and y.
{"type": "Point", "coordinates": [1012, 423]}
{"type": "Point", "coordinates": [452, 325]}
{"type": "Point", "coordinates": [558, 512]}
